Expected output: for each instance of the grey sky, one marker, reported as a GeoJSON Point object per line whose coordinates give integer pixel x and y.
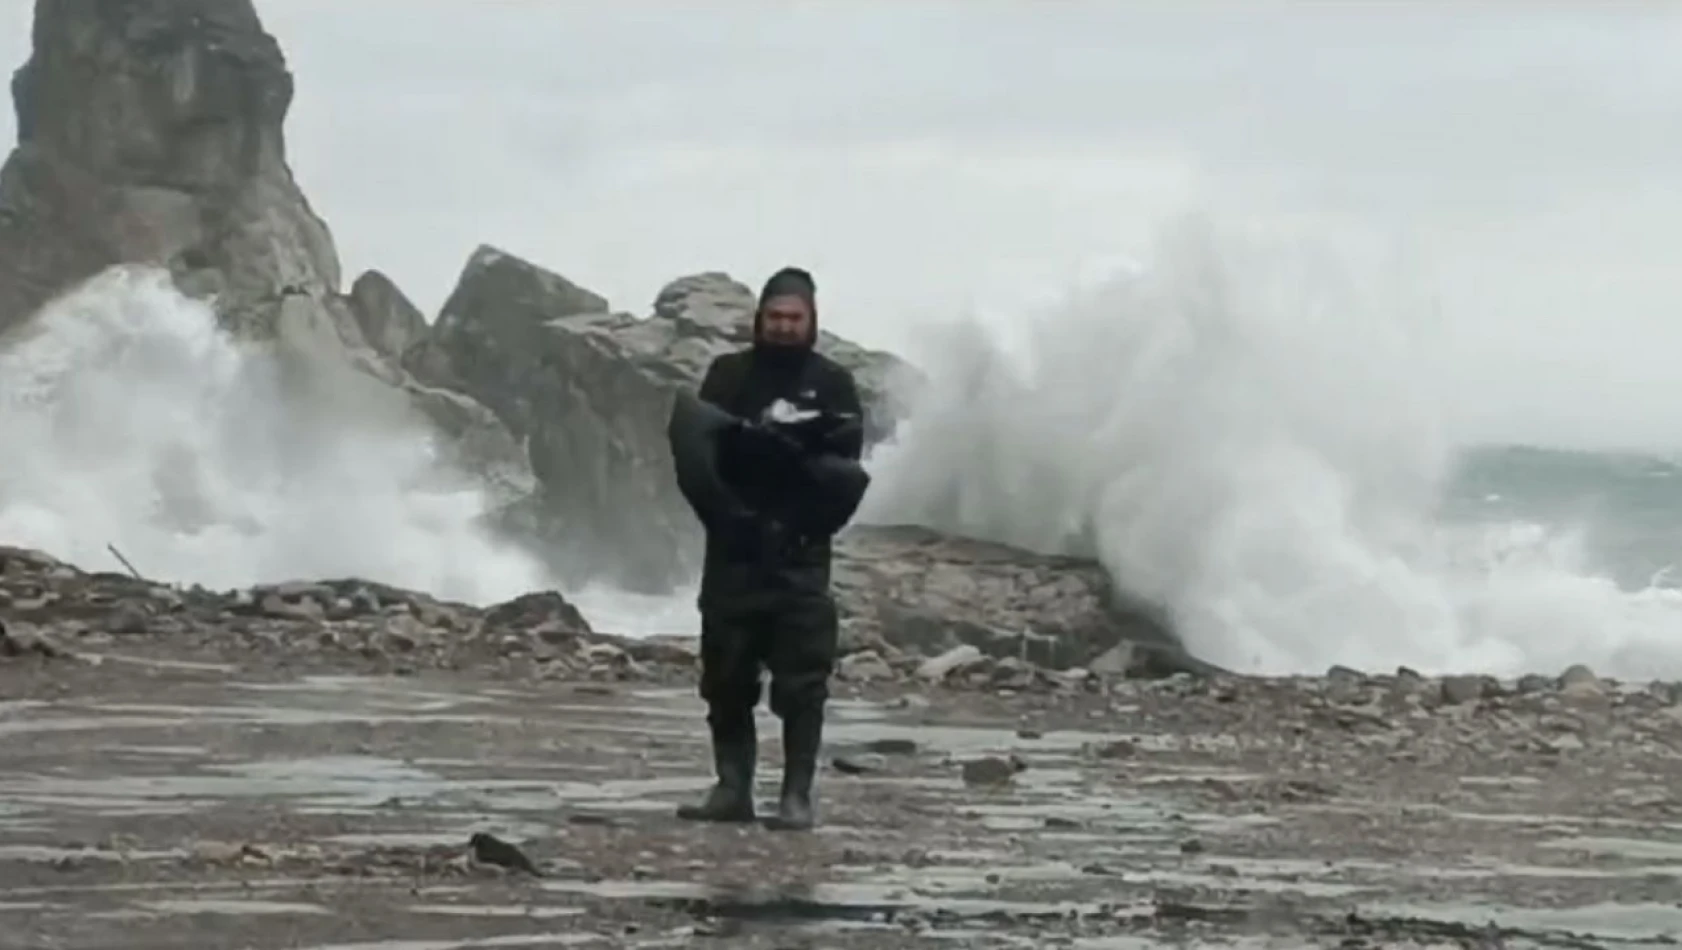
{"type": "Point", "coordinates": [923, 157]}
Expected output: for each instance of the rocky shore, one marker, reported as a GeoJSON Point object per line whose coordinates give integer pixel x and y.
{"type": "Point", "coordinates": [245, 770]}
{"type": "Point", "coordinates": [53, 609]}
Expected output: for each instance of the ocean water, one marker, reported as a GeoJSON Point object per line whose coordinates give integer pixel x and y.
{"type": "Point", "coordinates": [1623, 511]}
{"type": "Point", "coordinates": [1231, 432]}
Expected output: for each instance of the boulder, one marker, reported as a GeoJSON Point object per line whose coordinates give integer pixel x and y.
{"type": "Point", "coordinates": [588, 391]}
{"type": "Point", "coordinates": [151, 132]}
{"type": "Point", "coordinates": [919, 591]}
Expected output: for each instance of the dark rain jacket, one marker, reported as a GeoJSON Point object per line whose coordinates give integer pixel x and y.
{"type": "Point", "coordinates": [785, 546]}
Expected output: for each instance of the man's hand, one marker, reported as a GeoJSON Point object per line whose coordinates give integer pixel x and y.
{"type": "Point", "coordinates": [766, 445]}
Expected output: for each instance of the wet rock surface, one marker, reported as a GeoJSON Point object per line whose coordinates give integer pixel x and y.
{"type": "Point", "coordinates": [991, 609]}
{"type": "Point", "coordinates": [162, 797]}
{"type": "Point", "coordinates": [53, 610]}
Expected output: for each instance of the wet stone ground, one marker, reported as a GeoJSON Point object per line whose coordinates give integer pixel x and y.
{"type": "Point", "coordinates": [151, 803]}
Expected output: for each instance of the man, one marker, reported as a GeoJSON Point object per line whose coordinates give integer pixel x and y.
{"type": "Point", "coordinates": [765, 598]}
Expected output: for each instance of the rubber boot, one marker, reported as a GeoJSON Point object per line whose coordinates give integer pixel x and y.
{"type": "Point", "coordinates": [731, 797]}
{"type": "Point", "coordinates": [802, 737]}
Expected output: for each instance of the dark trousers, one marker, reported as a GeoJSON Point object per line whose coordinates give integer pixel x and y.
{"type": "Point", "coordinates": [794, 637]}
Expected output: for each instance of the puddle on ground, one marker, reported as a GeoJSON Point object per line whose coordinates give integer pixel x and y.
{"type": "Point", "coordinates": [337, 784]}
{"type": "Point", "coordinates": [1256, 885]}
{"type": "Point", "coordinates": [494, 910]}
{"type": "Point", "coordinates": [232, 907]}
{"type": "Point", "coordinates": [1303, 877]}
{"type": "Point", "coordinates": [1131, 812]}
{"type": "Point", "coordinates": [87, 724]}
{"type": "Point", "coordinates": [176, 718]}
{"type": "Point", "coordinates": [1179, 775]}
{"type": "Point", "coordinates": [1619, 847]}
{"type": "Point", "coordinates": [165, 664]}
{"type": "Point", "coordinates": [959, 879]}
{"type": "Point", "coordinates": [1606, 921]}
{"type": "Point", "coordinates": [427, 839]}
{"type": "Point", "coordinates": [1148, 943]}
{"type": "Point", "coordinates": [334, 782]}
{"type": "Point", "coordinates": [1103, 819]}
{"type": "Point", "coordinates": [827, 901]}
{"type": "Point", "coordinates": [363, 688]}
{"type": "Point", "coordinates": [1563, 822]}
{"type": "Point", "coordinates": [974, 740]}
{"type": "Point", "coordinates": [1499, 781]}
{"type": "Point", "coordinates": [244, 887]}
{"type": "Point", "coordinates": [50, 854]}
{"type": "Point", "coordinates": [130, 750]}
{"type": "Point", "coordinates": [508, 940]}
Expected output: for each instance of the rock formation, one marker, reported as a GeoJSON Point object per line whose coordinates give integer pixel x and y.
{"type": "Point", "coordinates": [913, 590]}
{"type": "Point", "coordinates": [152, 132]}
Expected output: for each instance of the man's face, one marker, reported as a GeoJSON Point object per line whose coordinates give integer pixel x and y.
{"type": "Point", "coordinates": [786, 321]}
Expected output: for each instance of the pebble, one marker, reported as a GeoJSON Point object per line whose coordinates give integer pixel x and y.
{"type": "Point", "coordinates": [127, 619]}
{"type": "Point", "coordinates": [1457, 690]}
{"type": "Point", "coordinates": [955, 661]}
{"type": "Point", "coordinates": [892, 746]}
{"type": "Point", "coordinates": [858, 764]}
{"type": "Point", "coordinates": [864, 667]}
{"type": "Point", "coordinates": [992, 770]}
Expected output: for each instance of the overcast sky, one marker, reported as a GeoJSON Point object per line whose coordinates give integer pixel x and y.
{"type": "Point", "coordinates": [924, 156]}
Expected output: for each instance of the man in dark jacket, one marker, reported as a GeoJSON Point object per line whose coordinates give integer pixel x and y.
{"type": "Point", "coordinates": [765, 598]}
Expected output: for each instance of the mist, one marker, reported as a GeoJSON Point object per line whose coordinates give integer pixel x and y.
{"type": "Point", "coordinates": [1250, 432]}
{"type": "Point", "coordinates": [135, 421]}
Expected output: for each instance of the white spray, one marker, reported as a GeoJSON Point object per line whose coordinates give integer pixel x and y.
{"type": "Point", "coordinates": [129, 418]}
{"type": "Point", "coordinates": [1251, 436]}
